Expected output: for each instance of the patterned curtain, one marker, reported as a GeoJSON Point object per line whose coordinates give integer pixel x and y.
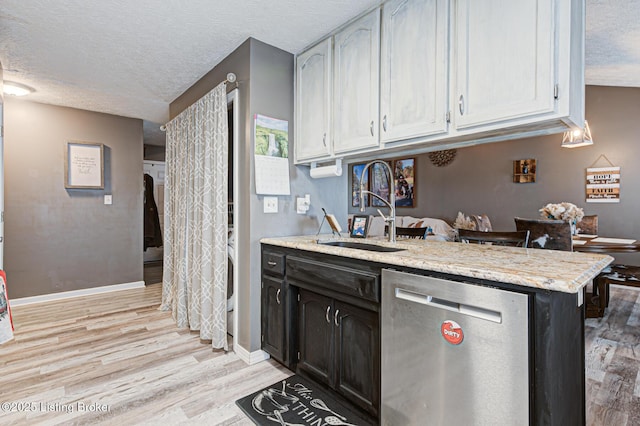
{"type": "Point", "coordinates": [194, 282]}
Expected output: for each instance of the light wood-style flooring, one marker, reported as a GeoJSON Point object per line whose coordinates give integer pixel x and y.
{"type": "Point", "coordinates": [612, 346]}
{"type": "Point", "coordinates": [117, 359]}
{"type": "Point", "coordinates": [121, 357]}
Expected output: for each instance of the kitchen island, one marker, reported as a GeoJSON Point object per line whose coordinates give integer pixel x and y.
{"type": "Point", "coordinates": [323, 312]}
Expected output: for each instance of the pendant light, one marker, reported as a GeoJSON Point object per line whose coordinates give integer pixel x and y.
{"type": "Point", "coordinates": [577, 137]}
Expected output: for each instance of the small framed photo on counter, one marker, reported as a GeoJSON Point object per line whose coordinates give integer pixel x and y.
{"type": "Point", "coordinates": [359, 226]}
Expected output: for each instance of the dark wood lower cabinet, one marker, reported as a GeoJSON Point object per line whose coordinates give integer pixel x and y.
{"type": "Point", "coordinates": [320, 318]}
{"type": "Point", "coordinates": [339, 345]}
{"type": "Point", "coordinates": [315, 336]}
{"type": "Point", "coordinates": [273, 317]}
{"type": "Point", "coordinates": [357, 355]}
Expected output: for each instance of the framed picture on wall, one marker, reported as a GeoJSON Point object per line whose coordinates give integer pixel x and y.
{"type": "Point", "coordinates": [84, 165]}
{"type": "Point", "coordinates": [356, 173]}
{"type": "Point", "coordinates": [404, 181]}
{"type": "Point", "coordinates": [524, 171]}
{"type": "Point", "coordinates": [379, 184]}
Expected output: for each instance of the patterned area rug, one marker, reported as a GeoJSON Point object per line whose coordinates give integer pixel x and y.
{"type": "Point", "coordinates": [297, 402]}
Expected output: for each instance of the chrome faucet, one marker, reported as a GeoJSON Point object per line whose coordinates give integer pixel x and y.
{"type": "Point", "coordinates": [391, 219]}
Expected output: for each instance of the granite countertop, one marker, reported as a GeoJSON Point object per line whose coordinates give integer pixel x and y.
{"type": "Point", "coordinates": [563, 271]}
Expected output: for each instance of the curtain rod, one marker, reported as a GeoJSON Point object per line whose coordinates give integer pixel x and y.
{"type": "Point", "coordinates": [231, 78]}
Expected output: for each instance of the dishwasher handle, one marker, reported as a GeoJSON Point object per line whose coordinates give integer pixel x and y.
{"type": "Point", "coordinates": [448, 305]}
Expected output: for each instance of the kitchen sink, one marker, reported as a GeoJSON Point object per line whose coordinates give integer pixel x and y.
{"type": "Point", "coordinates": [360, 246]}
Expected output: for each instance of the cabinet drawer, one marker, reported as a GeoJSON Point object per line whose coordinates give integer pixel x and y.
{"type": "Point", "coordinates": [273, 263]}
{"type": "Point", "coordinates": [350, 281]}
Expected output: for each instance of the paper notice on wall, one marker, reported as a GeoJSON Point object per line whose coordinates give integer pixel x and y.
{"type": "Point", "coordinates": [271, 156]}
{"type": "Point", "coordinates": [6, 323]}
{"type": "Point", "coordinates": [603, 185]}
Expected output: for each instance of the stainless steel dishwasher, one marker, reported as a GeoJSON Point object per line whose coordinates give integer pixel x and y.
{"type": "Point", "coordinates": [453, 353]}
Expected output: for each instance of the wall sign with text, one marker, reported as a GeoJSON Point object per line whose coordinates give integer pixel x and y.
{"type": "Point", "coordinates": [603, 184]}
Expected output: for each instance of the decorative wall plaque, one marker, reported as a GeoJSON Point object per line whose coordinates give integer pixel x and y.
{"type": "Point", "coordinates": [524, 171]}
{"type": "Point", "coordinates": [442, 158]}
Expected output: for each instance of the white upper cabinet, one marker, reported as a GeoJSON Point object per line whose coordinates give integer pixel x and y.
{"type": "Point", "coordinates": [504, 60]}
{"type": "Point", "coordinates": [356, 85]}
{"type": "Point", "coordinates": [313, 102]}
{"type": "Point", "coordinates": [413, 69]}
{"type": "Point", "coordinates": [442, 73]}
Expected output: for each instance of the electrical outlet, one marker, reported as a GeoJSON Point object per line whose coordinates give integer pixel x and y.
{"type": "Point", "coordinates": [108, 199]}
{"type": "Point", "coordinates": [270, 205]}
{"type": "Point", "coordinates": [302, 204]}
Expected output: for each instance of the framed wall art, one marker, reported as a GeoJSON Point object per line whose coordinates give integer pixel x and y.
{"type": "Point", "coordinates": [356, 172]}
{"type": "Point", "coordinates": [524, 171]}
{"type": "Point", "coordinates": [84, 165]}
{"type": "Point", "coordinates": [379, 184]}
{"type": "Point", "coordinates": [404, 181]}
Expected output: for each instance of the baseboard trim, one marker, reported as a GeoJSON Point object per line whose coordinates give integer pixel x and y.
{"type": "Point", "coordinates": [251, 357]}
{"type": "Point", "coordinates": [75, 293]}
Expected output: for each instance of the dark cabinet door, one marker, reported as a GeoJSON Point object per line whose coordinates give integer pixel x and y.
{"type": "Point", "coordinates": [273, 317]}
{"type": "Point", "coordinates": [357, 355]}
{"type": "Point", "coordinates": [315, 336]}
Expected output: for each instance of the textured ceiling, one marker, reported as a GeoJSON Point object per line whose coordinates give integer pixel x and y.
{"type": "Point", "coordinates": [134, 57]}
{"type": "Point", "coordinates": [612, 44]}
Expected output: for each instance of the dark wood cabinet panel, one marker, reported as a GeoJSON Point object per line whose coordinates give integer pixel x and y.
{"type": "Point", "coordinates": [339, 345]}
{"type": "Point", "coordinates": [273, 263]}
{"type": "Point", "coordinates": [357, 356]}
{"type": "Point", "coordinates": [273, 317]}
{"type": "Point", "coordinates": [315, 336]}
{"type": "Point", "coordinates": [351, 281]}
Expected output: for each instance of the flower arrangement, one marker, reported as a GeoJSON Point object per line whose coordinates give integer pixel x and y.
{"type": "Point", "coordinates": [564, 211]}
{"type": "Point", "coordinates": [464, 222]}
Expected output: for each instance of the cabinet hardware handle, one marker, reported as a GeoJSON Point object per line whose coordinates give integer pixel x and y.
{"type": "Point", "coordinates": [271, 263]}
{"type": "Point", "coordinates": [335, 317]}
{"type": "Point", "coordinates": [327, 314]}
{"type": "Point", "coordinates": [461, 104]}
{"type": "Point", "coordinates": [384, 122]}
{"type": "Point", "coordinates": [278, 296]}
{"type": "Point", "coordinates": [324, 139]}
{"type": "Point", "coordinates": [371, 127]}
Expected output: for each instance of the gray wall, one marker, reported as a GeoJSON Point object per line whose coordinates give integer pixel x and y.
{"type": "Point", "coordinates": [272, 94]}
{"type": "Point", "coordinates": [479, 180]}
{"type": "Point", "coordinates": [61, 240]}
{"type": "Point", "coordinates": [265, 77]}
{"type": "Point", "coordinates": [154, 152]}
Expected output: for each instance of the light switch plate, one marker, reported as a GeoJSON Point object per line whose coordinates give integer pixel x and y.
{"type": "Point", "coordinates": [108, 199]}
{"type": "Point", "coordinates": [271, 204]}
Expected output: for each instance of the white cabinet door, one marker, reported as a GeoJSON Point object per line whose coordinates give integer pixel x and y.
{"type": "Point", "coordinates": [413, 69]}
{"type": "Point", "coordinates": [504, 60]}
{"type": "Point", "coordinates": [313, 102]}
{"type": "Point", "coordinates": [356, 80]}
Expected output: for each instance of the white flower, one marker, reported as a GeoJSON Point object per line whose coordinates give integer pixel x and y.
{"type": "Point", "coordinates": [464, 222]}
{"type": "Point", "coordinates": [564, 211]}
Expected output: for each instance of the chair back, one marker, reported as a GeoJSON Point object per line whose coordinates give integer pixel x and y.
{"type": "Point", "coordinates": [411, 232]}
{"type": "Point", "coordinates": [482, 222]}
{"type": "Point", "coordinates": [588, 225]}
{"type": "Point", "coordinates": [513, 238]}
{"type": "Point", "coordinates": [547, 234]}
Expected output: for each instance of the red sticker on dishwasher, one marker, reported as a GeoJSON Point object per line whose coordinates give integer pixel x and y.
{"type": "Point", "coordinates": [452, 332]}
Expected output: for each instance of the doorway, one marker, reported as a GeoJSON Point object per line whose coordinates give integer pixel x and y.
{"type": "Point", "coordinates": [235, 231]}
{"type": "Point", "coordinates": [154, 172]}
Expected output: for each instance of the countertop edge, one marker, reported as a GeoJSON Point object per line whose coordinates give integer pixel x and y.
{"type": "Point", "coordinates": [573, 272]}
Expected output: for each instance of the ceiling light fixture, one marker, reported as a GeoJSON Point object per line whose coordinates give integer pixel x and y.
{"type": "Point", "coordinates": [577, 137]}
{"type": "Point", "coordinates": [16, 89]}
